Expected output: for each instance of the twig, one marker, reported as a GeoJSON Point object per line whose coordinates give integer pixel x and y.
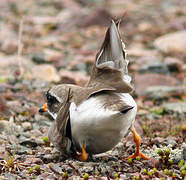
{"type": "Point", "coordinates": [76, 170]}
{"type": "Point", "coordinates": [20, 47]}
{"type": "Point", "coordinates": [52, 169]}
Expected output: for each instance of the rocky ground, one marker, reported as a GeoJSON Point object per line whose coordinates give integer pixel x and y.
{"type": "Point", "coordinates": [58, 44]}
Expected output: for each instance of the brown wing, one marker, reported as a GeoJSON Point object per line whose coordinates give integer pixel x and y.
{"type": "Point", "coordinates": [63, 114]}
{"type": "Point", "coordinates": [57, 131]}
{"type": "Point", "coordinates": [110, 67]}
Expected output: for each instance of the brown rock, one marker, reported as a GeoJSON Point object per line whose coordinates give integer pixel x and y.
{"type": "Point", "coordinates": [45, 72]}
{"type": "Point", "coordinates": [8, 39]}
{"type": "Point", "coordinates": [68, 77]}
{"type": "Point", "coordinates": [94, 18]}
{"type": "Point", "coordinates": [33, 111]}
{"type": "Point", "coordinates": [71, 4]}
{"type": "Point", "coordinates": [85, 18]}
{"type": "Point", "coordinates": [172, 43]}
{"type": "Point", "coordinates": [174, 64]}
{"type": "Point", "coordinates": [4, 110]}
{"type": "Point", "coordinates": [137, 50]}
{"type": "Point", "coordinates": [144, 27]}
{"type": "Point", "coordinates": [26, 126]}
{"type": "Point", "coordinates": [34, 160]}
{"type": "Point", "coordinates": [36, 96]}
{"type": "Point", "coordinates": [153, 163]}
{"type": "Point", "coordinates": [143, 81]}
{"type": "Point", "coordinates": [10, 46]}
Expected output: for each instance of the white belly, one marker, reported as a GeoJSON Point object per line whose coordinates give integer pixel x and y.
{"type": "Point", "coordinates": [97, 128]}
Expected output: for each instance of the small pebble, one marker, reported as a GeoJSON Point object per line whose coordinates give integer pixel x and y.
{"type": "Point", "coordinates": [26, 126]}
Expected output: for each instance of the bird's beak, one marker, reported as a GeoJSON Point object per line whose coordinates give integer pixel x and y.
{"type": "Point", "coordinates": [44, 108]}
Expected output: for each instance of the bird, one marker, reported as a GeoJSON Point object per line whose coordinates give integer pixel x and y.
{"type": "Point", "coordinates": [95, 118]}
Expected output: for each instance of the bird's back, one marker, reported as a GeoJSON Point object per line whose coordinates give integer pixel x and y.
{"type": "Point", "coordinates": [99, 123]}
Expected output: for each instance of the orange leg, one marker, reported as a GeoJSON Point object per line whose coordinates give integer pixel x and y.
{"type": "Point", "coordinates": [137, 140]}
{"type": "Point", "coordinates": [83, 156]}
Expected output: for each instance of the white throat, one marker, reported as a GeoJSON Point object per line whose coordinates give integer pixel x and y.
{"type": "Point", "coordinates": [54, 115]}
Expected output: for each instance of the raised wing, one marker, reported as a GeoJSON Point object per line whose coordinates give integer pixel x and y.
{"type": "Point", "coordinates": [110, 67]}
{"type": "Point", "coordinates": [111, 54]}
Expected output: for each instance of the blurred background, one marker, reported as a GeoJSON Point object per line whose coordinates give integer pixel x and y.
{"type": "Point", "coordinates": [46, 42]}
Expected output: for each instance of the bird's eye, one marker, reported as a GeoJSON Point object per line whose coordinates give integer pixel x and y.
{"type": "Point", "coordinates": [50, 99]}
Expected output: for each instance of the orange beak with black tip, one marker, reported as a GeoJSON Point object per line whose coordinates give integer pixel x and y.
{"type": "Point", "coordinates": [44, 108]}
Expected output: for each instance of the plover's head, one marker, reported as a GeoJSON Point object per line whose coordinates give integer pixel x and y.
{"type": "Point", "coordinates": [54, 98]}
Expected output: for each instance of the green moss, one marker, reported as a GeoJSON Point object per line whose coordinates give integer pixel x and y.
{"type": "Point", "coordinates": [166, 172]}
{"type": "Point", "coordinates": [116, 175]}
{"type": "Point", "coordinates": [181, 163]}
{"type": "Point", "coordinates": [130, 160]}
{"type": "Point", "coordinates": [37, 168]}
{"type": "Point", "coordinates": [183, 172]}
{"type": "Point", "coordinates": [150, 174]}
{"type": "Point", "coordinates": [160, 152]}
{"type": "Point", "coordinates": [173, 175]}
{"type": "Point", "coordinates": [65, 174]}
{"type": "Point", "coordinates": [31, 170]}
{"type": "Point", "coordinates": [154, 170]}
{"type": "Point", "coordinates": [184, 166]}
{"type": "Point", "coordinates": [10, 161]}
{"type": "Point", "coordinates": [144, 171]}
{"type": "Point", "coordinates": [170, 161]}
{"type": "Point", "coordinates": [167, 152]}
{"type": "Point", "coordinates": [158, 111]}
{"type": "Point", "coordinates": [145, 129]}
{"type": "Point", "coordinates": [45, 139]}
{"type": "Point", "coordinates": [136, 177]}
{"type": "Point", "coordinates": [85, 176]}
{"type": "Point", "coordinates": [3, 79]}
{"type": "Point", "coordinates": [97, 173]}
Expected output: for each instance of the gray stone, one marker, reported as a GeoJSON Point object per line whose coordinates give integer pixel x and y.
{"type": "Point", "coordinates": [179, 107]}
{"type": "Point", "coordinates": [39, 58]}
{"type": "Point", "coordinates": [22, 150]}
{"type": "Point", "coordinates": [177, 154]}
{"type": "Point", "coordinates": [86, 169]}
{"type": "Point", "coordinates": [104, 171]}
{"type": "Point", "coordinates": [29, 143]}
{"type": "Point", "coordinates": [162, 92]}
{"type": "Point", "coordinates": [184, 152]}
{"type": "Point", "coordinates": [174, 64]}
{"type": "Point", "coordinates": [4, 125]}
{"type": "Point", "coordinates": [69, 170]}
{"type": "Point", "coordinates": [40, 141]}
{"type": "Point", "coordinates": [15, 107]}
{"type": "Point", "coordinates": [26, 126]}
{"type": "Point", "coordinates": [170, 141]}
{"type": "Point", "coordinates": [154, 67]}
{"type": "Point", "coordinates": [3, 87]}
{"type": "Point", "coordinates": [10, 176]}
{"type": "Point", "coordinates": [9, 65]}
{"type": "Point", "coordinates": [56, 168]}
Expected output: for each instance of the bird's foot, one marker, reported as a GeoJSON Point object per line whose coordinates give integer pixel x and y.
{"type": "Point", "coordinates": [138, 154]}
{"type": "Point", "coordinates": [137, 140]}
{"type": "Point", "coordinates": [83, 156]}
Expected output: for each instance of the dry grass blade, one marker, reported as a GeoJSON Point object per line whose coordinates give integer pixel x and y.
{"type": "Point", "coordinates": [20, 47]}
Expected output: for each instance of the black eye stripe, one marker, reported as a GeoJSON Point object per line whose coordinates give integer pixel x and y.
{"type": "Point", "coordinates": [50, 98]}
